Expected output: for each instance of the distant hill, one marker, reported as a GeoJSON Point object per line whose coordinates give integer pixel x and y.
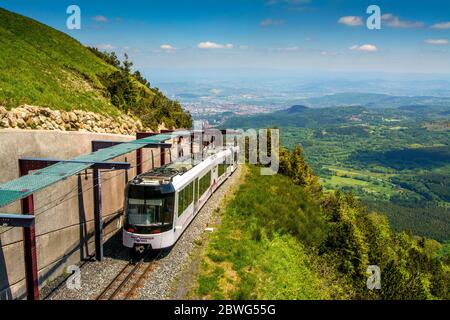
{"type": "Point", "coordinates": [373, 100]}
{"type": "Point", "coordinates": [296, 109]}
{"type": "Point", "coordinates": [45, 67]}
{"type": "Point", "coordinates": [295, 116]}
{"type": "Point", "coordinates": [331, 112]}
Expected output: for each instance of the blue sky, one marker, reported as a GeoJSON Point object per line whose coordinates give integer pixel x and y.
{"type": "Point", "coordinates": [262, 36]}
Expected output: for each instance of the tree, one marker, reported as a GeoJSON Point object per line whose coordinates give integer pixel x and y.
{"type": "Point", "coordinates": [149, 104]}
{"type": "Point", "coordinates": [293, 164]}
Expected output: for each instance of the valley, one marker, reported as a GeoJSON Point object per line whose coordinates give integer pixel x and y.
{"type": "Point", "coordinates": [396, 160]}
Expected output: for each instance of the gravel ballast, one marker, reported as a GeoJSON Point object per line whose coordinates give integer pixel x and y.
{"type": "Point", "coordinates": [159, 284]}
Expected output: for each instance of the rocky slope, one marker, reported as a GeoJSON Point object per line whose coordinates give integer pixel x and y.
{"type": "Point", "coordinates": [32, 117]}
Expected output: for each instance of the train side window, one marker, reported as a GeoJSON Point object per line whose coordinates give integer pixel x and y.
{"type": "Point", "coordinates": [222, 168]}
{"type": "Point", "coordinates": [196, 190]}
{"type": "Point", "coordinates": [180, 202]}
{"type": "Point", "coordinates": [185, 198]}
{"type": "Point", "coordinates": [204, 183]}
{"type": "Point", "coordinates": [190, 194]}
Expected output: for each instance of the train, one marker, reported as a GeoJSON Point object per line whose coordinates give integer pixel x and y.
{"type": "Point", "coordinates": [160, 204]}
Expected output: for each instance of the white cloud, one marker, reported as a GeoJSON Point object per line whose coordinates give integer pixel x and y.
{"type": "Point", "coordinates": [437, 42]}
{"type": "Point", "coordinates": [271, 22]}
{"type": "Point", "coordinates": [441, 26]}
{"type": "Point", "coordinates": [393, 21]}
{"type": "Point", "coordinates": [290, 49]}
{"type": "Point", "coordinates": [100, 18]}
{"type": "Point", "coordinates": [167, 47]}
{"type": "Point", "coordinates": [351, 21]}
{"type": "Point", "coordinates": [364, 48]}
{"type": "Point", "coordinates": [214, 45]}
{"type": "Point", "coordinates": [105, 46]}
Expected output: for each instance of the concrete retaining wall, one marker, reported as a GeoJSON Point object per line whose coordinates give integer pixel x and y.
{"type": "Point", "coordinates": [64, 211]}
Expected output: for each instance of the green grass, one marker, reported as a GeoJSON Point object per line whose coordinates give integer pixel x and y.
{"type": "Point", "coordinates": [342, 181]}
{"type": "Point", "coordinates": [263, 247]}
{"type": "Point", "coordinates": [42, 66]}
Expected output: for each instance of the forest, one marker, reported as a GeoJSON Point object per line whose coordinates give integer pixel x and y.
{"type": "Point", "coordinates": [395, 160]}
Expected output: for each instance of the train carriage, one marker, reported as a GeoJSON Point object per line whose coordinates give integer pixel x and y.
{"type": "Point", "coordinates": [160, 204]}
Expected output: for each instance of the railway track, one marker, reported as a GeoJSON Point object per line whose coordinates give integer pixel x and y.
{"type": "Point", "coordinates": [124, 285]}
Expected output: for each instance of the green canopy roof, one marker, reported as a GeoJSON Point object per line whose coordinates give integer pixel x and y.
{"type": "Point", "coordinates": [24, 186]}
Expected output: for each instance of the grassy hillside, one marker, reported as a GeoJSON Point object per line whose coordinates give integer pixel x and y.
{"type": "Point", "coordinates": [280, 238]}
{"type": "Point", "coordinates": [256, 252]}
{"type": "Point", "coordinates": [44, 67]}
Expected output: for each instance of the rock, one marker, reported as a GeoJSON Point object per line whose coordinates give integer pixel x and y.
{"type": "Point", "coordinates": [21, 123]}
{"type": "Point", "coordinates": [54, 115]}
{"type": "Point", "coordinates": [3, 112]}
{"type": "Point", "coordinates": [37, 120]}
{"type": "Point", "coordinates": [31, 123]}
{"type": "Point", "coordinates": [58, 118]}
{"type": "Point", "coordinates": [72, 117]}
{"type": "Point", "coordinates": [46, 112]}
{"type": "Point", "coordinates": [50, 126]}
{"type": "Point", "coordinates": [12, 122]}
{"type": "Point", "coordinates": [31, 109]}
{"type": "Point", "coordinates": [75, 125]}
{"type": "Point", "coordinates": [65, 117]}
{"type": "Point", "coordinates": [54, 125]}
{"type": "Point", "coordinates": [4, 123]}
{"type": "Point", "coordinates": [19, 113]}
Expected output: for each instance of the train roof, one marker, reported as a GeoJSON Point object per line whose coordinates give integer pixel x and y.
{"type": "Point", "coordinates": [166, 173]}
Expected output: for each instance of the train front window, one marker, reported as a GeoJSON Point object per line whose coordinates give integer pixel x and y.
{"type": "Point", "coordinates": [147, 214]}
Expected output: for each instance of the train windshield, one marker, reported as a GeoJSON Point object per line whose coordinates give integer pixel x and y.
{"type": "Point", "coordinates": [146, 213]}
